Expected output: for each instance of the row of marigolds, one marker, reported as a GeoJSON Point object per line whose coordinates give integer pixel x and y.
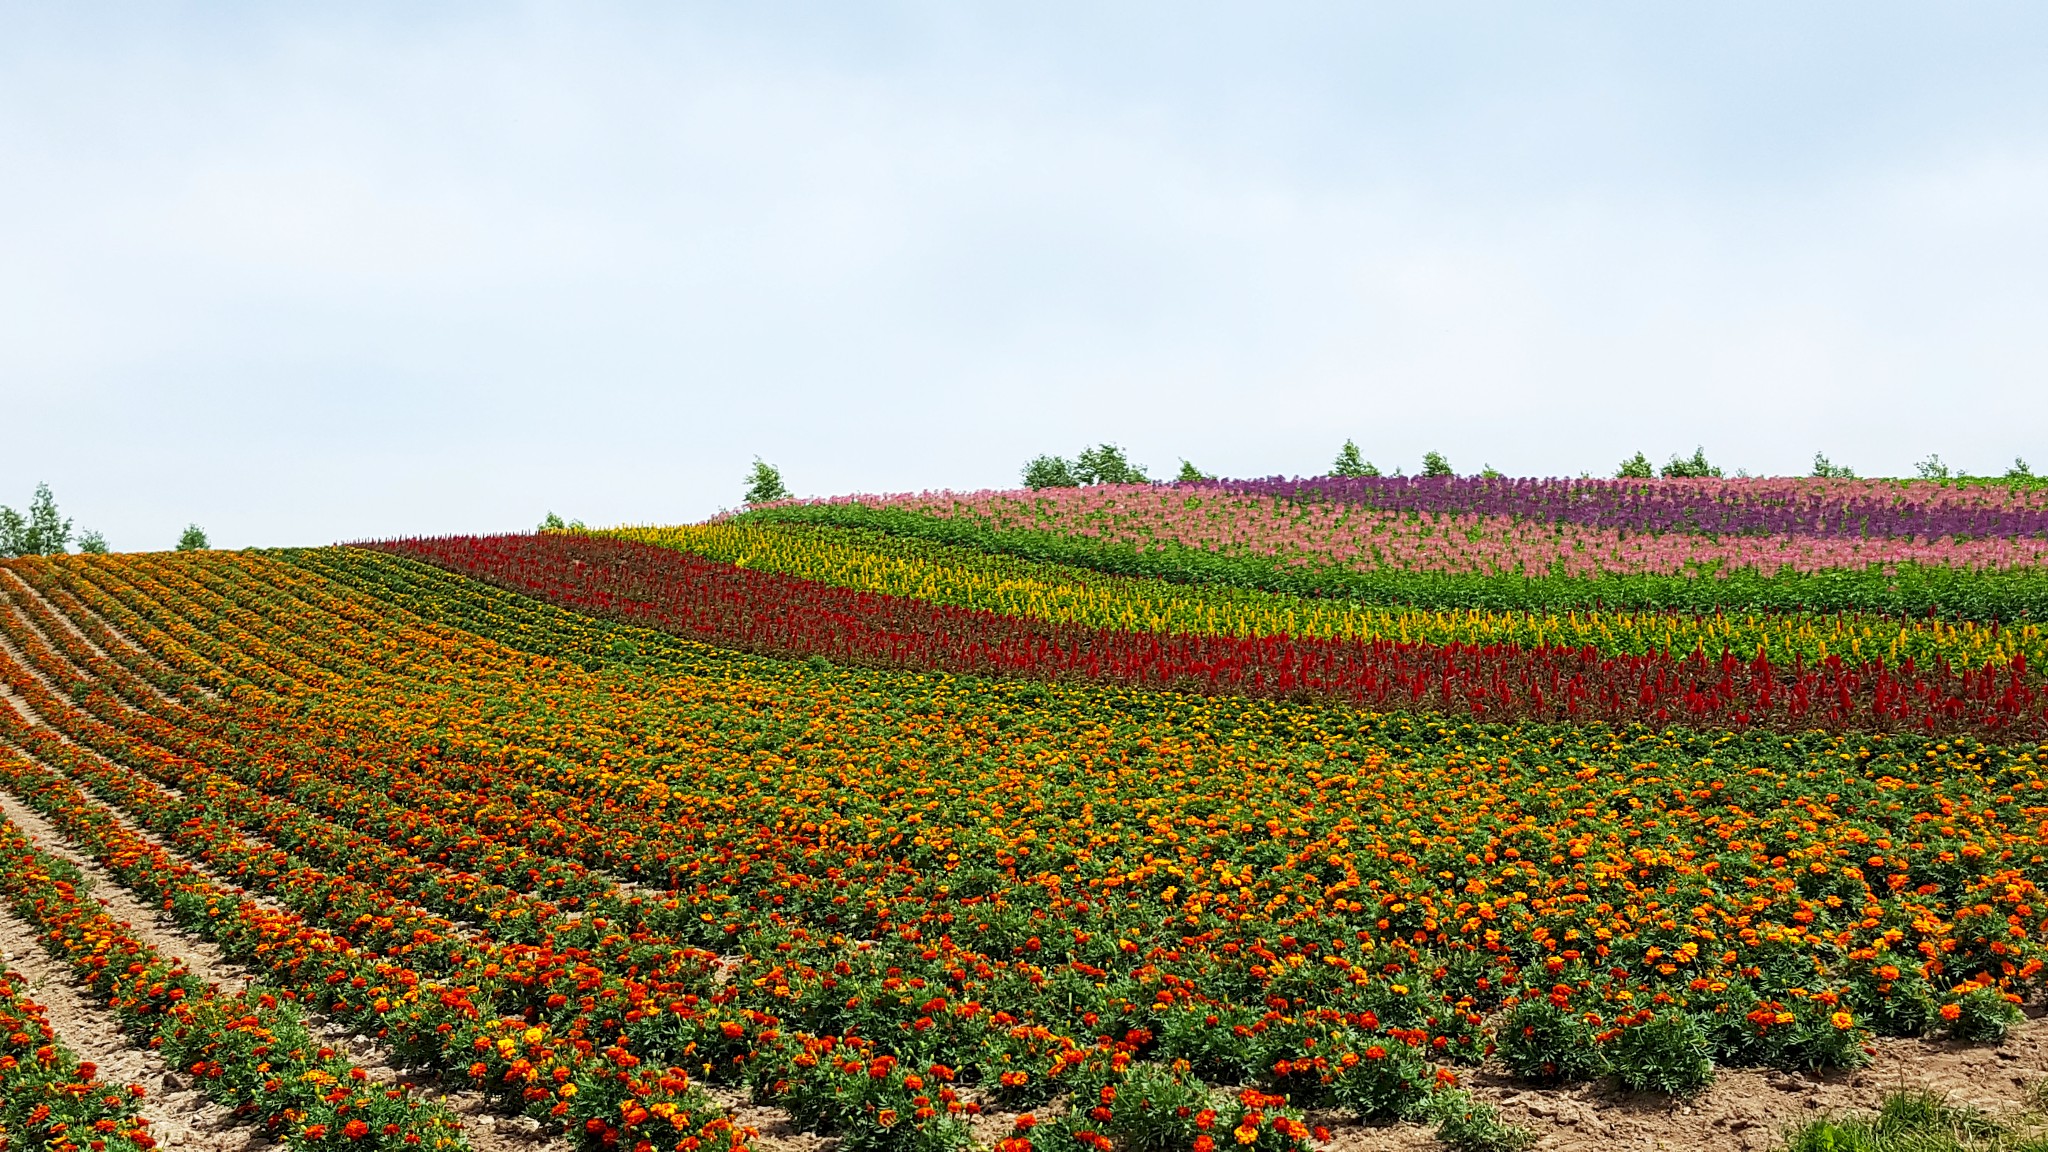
{"type": "Point", "coordinates": [1161, 879]}
{"type": "Point", "coordinates": [51, 1098]}
{"type": "Point", "coordinates": [248, 1052]}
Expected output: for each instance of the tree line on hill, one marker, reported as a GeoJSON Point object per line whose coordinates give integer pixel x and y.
{"type": "Point", "coordinates": [44, 531]}
{"type": "Point", "coordinates": [1109, 463]}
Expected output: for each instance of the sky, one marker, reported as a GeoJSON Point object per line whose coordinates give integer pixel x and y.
{"type": "Point", "coordinates": [311, 273]}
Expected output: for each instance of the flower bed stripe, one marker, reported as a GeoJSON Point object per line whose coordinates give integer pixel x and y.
{"type": "Point", "coordinates": [248, 1052]}
{"type": "Point", "coordinates": [775, 614]}
{"type": "Point", "coordinates": [52, 1098]}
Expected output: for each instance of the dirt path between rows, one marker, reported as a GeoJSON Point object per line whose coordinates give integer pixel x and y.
{"type": "Point", "coordinates": [485, 1132]}
{"type": "Point", "coordinates": [1746, 1110]}
{"type": "Point", "coordinates": [180, 1115]}
{"type": "Point", "coordinates": [181, 1119]}
{"type": "Point", "coordinates": [23, 587]}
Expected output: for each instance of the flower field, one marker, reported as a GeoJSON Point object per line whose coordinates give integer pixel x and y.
{"type": "Point", "coordinates": [1012, 821]}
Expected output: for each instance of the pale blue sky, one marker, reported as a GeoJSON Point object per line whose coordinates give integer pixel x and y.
{"type": "Point", "coordinates": [315, 272]}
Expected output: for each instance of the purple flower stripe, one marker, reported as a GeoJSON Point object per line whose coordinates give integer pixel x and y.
{"type": "Point", "coordinates": [1822, 509]}
{"type": "Point", "coordinates": [1214, 518]}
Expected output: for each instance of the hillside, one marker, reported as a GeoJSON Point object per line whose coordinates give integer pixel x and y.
{"type": "Point", "coordinates": [1127, 817]}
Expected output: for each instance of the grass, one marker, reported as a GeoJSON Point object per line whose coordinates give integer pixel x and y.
{"type": "Point", "coordinates": [1919, 1121]}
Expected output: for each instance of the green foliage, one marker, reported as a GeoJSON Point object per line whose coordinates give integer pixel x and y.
{"type": "Point", "coordinates": [40, 533]}
{"type": "Point", "coordinates": [1906, 589]}
{"type": "Point", "coordinates": [92, 543]}
{"type": "Point", "coordinates": [1434, 464]}
{"type": "Point", "coordinates": [1391, 1081]}
{"type": "Point", "coordinates": [1932, 468]}
{"type": "Point", "coordinates": [2019, 470]}
{"type": "Point", "coordinates": [1695, 468]}
{"type": "Point", "coordinates": [1667, 1053]}
{"type": "Point", "coordinates": [1467, 1125]}
{"type": "Point", "coordinates": [1824, 470]}
{"type": "Point", "coordinates": [1982, 1014]}
{"type": "Point", "coordinates": [1489, 472]}
{"type": "Point", "coordinates": [1189, 474]}
{"type": "Point", "coordinates": [193, 539]}
{"type": "Point", "coordinates": [1911, 1121]}
{"type": "Point", "coordinates": [764, 484]}
{"type": "Point", "coordinates": [1050, 472]}
{"type": "Point", "coordinates": [1350, 463]}
{"type": "Point", "coordinates": [1546, 1044]}
{"type": "Point", "coordinates": [1107, 464]}
{"type": "Point", "coordinates": [552, 523]}
{"type": "Point", "coordinates": [1637, 467]}
{"type": "Point", "coordinates": [1102, 464]}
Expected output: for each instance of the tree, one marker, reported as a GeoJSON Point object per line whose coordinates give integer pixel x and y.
{"type": "Point", "coordinates": [1697, 468]}
{"type": "Point", "coordinates": [1823, 470]}
{"type": "Point", "coordinates": [1350, 463]}
{"type": "Point", "coordinates": [1434, 464]}
{"type": "Point", "coordinates": [1636, 468]}
{"type": "Point", "coordinates": [193, 539]}
{"type": "Point", "coordinates": [1050, 472]}
{"type": "Point", "coordinates": [1489, 472]}
{"type": "Point", "coordinates": [1102, 464]}
{"type": "Point", "coordinates": [764, 484]}
{"type": "Point", "coordinates": [1932, 468]}
{"type": "Point", "coordinates": [41, 533]}
{"type": "Point", "coordinates": [1107, 464]}
{"type": "Point", "coordinates": [552, 523]}
{"type": "Point", "coordinates": [2019, 470]}
{"type": "Point", "coordinates": [1189, 474]}
{"type": "Point", "coordinates": [92, 543]}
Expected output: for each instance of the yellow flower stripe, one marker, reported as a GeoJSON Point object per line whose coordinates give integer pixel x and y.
{"type": "Point", "coordinates": [968, 579]}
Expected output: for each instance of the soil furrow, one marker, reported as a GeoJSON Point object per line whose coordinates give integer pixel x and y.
{"type": "Point", "coordinates": [180, 1116]}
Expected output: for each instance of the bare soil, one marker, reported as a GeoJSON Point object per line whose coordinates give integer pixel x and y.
{"type": "Point", "coordinates": [1745, 1110]}
{"type": "Point", "coordinates": [186, 1119]}
{"type": "Point", "coordinates": [180, 1117]}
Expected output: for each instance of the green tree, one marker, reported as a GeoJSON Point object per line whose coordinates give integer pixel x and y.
{"type": "Point", "coordinates": [1107, 464]}
{"type": "Point", "coordinates": [552, 523]}
{"type": "Point", "coordinates": [1434, 464]}
{"type": "Point", "coordinates": [1824, 470]}
{"type": "Point", "coordinates": [1050, 472]}
{"type": "Point", "coordinates": [1189, 474]}
{"type": "Point", "coordinates": [92, 543]}
{"type": "Point", "coordinates": [764, 484]}
{"type": "Point", "coordinates": [1350, 463]}
{"type": "Point", "coordinates": [2019, 470]}
{"type": "Point", "coordinates": [1489, 472]}
{"type": "Point", "coordinates": [1932, 468]}
{"type": "Point", "coordinates": [193, 539]}
{"type": "Point", "coordinates": [40, 533]}
{"type": "Point", "coordinates": [1696, 468]}
{"type": "Point", "coordinates": [1637, 467]}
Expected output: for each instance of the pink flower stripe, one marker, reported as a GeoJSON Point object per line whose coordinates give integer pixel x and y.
{"type": "Point", "coordinates": [1358, 537]}
{"type": "Point", "coordinates": [774, 614]}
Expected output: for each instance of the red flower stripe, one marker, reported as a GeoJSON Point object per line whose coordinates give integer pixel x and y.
{"type": "Point", "coordinates": [774, 614]}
